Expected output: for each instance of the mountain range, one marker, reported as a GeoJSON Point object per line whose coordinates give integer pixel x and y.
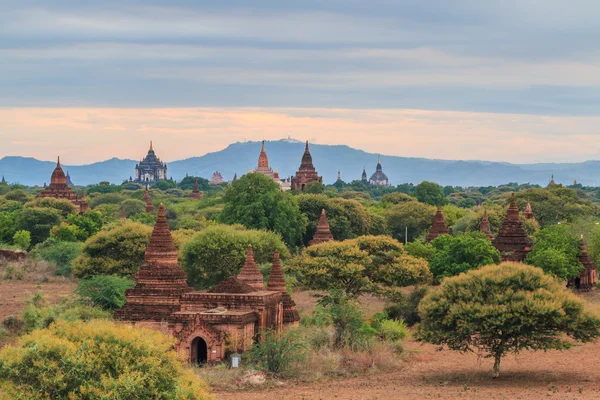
{"type": "Point", "coordinates": [285, 155]}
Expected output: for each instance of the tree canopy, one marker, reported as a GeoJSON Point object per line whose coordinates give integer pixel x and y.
{"type": "Point", "coordinates": [414, 216]}
{"type": "Point", "coordinates": [556, 250]}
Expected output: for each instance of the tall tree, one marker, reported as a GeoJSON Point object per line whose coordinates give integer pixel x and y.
{"type": "Point", "coordinates": [430, 193]}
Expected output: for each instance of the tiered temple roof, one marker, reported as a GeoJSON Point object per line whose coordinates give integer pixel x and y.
{"type": "Point", "coordinates": [307, 172]}
{"type": "Point", "coordinates": [363, 177]}
{"type": "Point", "coordinates": [250, 273]}
{"type": "Point", "coordinates": [529, 212]}
{"type": "Point", "coordinates": [512, 240]}
{"type": "Point", "coordinates": [485, 226]}
{"type": "Point", "coordinates": [379, 178]}
{"type": "Point", "coordinates": [276, 283]}
{"type": "Point", "coordinates": [151, 169]}
{"type": "Point", "coordinates": [216, 178]}
{"type": "Point", "coordinates": [323, 233]}
{"type": "Point", "coordinates": [196, 193]}
{"type": "Point", "coordinates": [439, 226]}
{"type": "Point", "coordinates": [160, 281]}
{"type": "Point", "coordinates": [263, 163]}
{"type": "Point", "coordinates": [59, 189]}
{"type": "Point", "coordinates": [149, 205]}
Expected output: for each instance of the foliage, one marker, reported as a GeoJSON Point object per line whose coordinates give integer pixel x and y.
{"type": "Point", "coordinates": [278, 353]}
{"type": "Point", "coordinates": [144, 218]}
{"type": "Point", "coordinates": [9, 205]}
{"type": "Point", "coordinates": [257, 202]}
{"type": "Point", "coordinates": [501, 309]}
{"type": "Point", "coordinates": [133, 207]}
{"type": "Point", "coordinates": [70, 360]}
{"type": "Point", "coordinates": [406, 308]}
{"type": "Point", "coordinates": [164, 185]}
{"type": "Point", "coordinates": [456, 254]}
{"type": "Point", "coordinates": [18, 195]}
{"type": "Point", "coordinates": [106, 292]}
{"type": "Point", "coordinates": [314, 188]}
{"type": "Point", "coordinates": [38, 221]}
{"type": "Point", "coordinates": [551, 206]}
{"type": "Point", "coordinates": [188, 182]}
{"type": "Point", "coordinates": [420, 250]}
{"type": "Point", "coordinates": [107, 198]}
{"type": "Point", "coordinates": [396, 198]}
{"type": "Point", "coordinates": [556, 251]}
{"type": "Point", "coordinates": [89, 223]}
{"type": "Point", "coordinates": [67, 233]}
{"type": "Point", "coordinates": [391, 330]}
{"type": "Point", "coordinates": [430, 193]}
{"type": "Point", "coordinates": [415, 216]}
{"type": "Point", "coordinates": [219, 252]}
{"type": "Point", "coordinates": [22, 239]}
{"type": "Point", "coordinates": [118, 250]}
{"type": "Point", "coordinates": [63, 206]}
{"type": "Point", "coordinates": [8, 225]}
{"type": "Point", "coordinates": [60, 253]}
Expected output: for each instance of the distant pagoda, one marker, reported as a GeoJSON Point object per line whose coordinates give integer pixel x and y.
{"type": "Point", "coordinates": [363, 177]}
{"type": "Point", "coordinates": [69, 182]}
{"type": "Point", "coordinates": [306, 173]}
{"type": "Point", "coordinates": [148, 201]}
{"type": "Point", "coordinates": [528, 214]}
{"type": "Point", "coordinates": [59, 189]}
{"type": "Point", "coordinates": [263, 163]}
{"type": "Point", "coordinates": [216, 178]}
{"type": "Point", "coordinates": [196, 193]}
{"type": "Point", "coordinates": [323, 233]}
{"type": "Point", "coordinates": [379, 178]}
{"type": "Point", "coordinates": [512, 240]}
{"type": "Point", "coordinates": [439, 226]}
{"type": "Point", "coordinates": [151, 169]}
{"type": "Point", "coordinates": [485, 226]}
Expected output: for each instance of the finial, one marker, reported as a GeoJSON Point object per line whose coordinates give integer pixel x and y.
{"type": "Point", "coordinates": [378, 159]}
{"type": "Point", "coordinates": [151, 146]}
{"type": "Point", "coordinates": [306, 146]}
{"type": "Point", "coordinates": [276, 254]}
{"type": "Point", "coordinates": [263, 145]}
{"type": "Point", "coordinates": [58, 162]}
{"type": "Point", "coordinates": [161, 210]}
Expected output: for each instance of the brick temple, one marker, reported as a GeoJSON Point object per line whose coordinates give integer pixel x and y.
{"type": "Point", "coordinates": [323, 233]}
{"type": "Point", "coordinates": [587, 276]}
{"type": "Point", "coordinates": [149, 206]}
{"type": "Point", "coordinates": [237, 310]}
{"type": "Point", "coordinates": [59, 189]}
{"type": "Point", "coordinates": [439, 226]}
{"type": "Point", "coordinates": [485, 226]}
{"type": "Point", "coordinates": [512, 240]}
{"type": "Point", "coordinates": [307, 172]}
{"type": "Point", "coordinates": [196, 193]}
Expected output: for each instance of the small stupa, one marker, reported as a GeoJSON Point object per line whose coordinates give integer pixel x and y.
{"type": "Point", "coordinates": [250, 273]}
{"type": "Point", "coordinates": [323, 233]}
{"type": "Point", "coordinates": [439, 226]}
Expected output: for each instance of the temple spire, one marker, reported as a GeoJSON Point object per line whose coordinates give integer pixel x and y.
{"type": "Point", "coordinates": [151, 149]}
{"type": "Point", "coordinates": [485, 226]}
{"type": "Point", "coordinates": [276, 278]}
{"type": "Point", "coordinates": [439, 226]}
{"type": "Point", "coordinates": [58, 162]}
{"type": "Point", "coordinates": [149, 205]}
{"type": "Point", "coordinates": [529, 212]}
{"type": "Point", "coordinates": [250, 273]}
{"type": "Point", "coordinates": [323, 232]}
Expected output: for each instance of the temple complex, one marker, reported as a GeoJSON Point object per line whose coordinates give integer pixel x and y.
{"type": "Point", "coordinates": [528, 214]}
{"type": "Point", "coordinates": [151, 169]}
{"type": "Point", "coordinates": [379, 178]}
{"type": "Point", "coordinates": [323, 233]}
{"type": "Point", "coordinates": [587, 276]}
{"type": "Point", "coordinates": [512, 240]}
{"type": "Point", "coordinates": [196, 193]}
{"type": "Point", "coordinates": [485, 226]}
{"type": "Point", "coordinates": [149, 205]}
{"type": "Point", "coordinates": [439, 226]}
{"type": "Point", "coordinates": [306, 173]}
{"type": "Point", "coordinates": [216, 178]}
{"type": "Point", "coordinates": [202, 322]}
{"type": "Point", "coordinates": [59, 189]}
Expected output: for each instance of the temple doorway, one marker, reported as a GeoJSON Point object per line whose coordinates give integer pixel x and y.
{"type": "Point", "coordinates": [199, 351]}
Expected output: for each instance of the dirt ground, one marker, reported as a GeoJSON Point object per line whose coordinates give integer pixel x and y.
{"type": "Point", "coordinates": [13, 296]}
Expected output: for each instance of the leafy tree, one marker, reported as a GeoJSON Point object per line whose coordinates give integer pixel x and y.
{"type": "Point", "coordinates": [60, 253]}
{"type": "Point", "coordinates": [279, 353]}
{"type": "Point", "coordinates": [501, 309]}
{"type": "Point", "coordinates": [556, 250]}
{"type": "Point", "coordinates": [145, 218]}
{"type": "Point", "coordinates": [133, 207]}
{"type": "Point", "coordinates": [9, 222]}
{"type": "Point", "coordinates": [420, 250]}
{"type": "Point", "coordinates": [415, 216]}
{"type": "Point", "coordinates": [339, 224]}
{"type": "Point", "coordinates": [89, 223]}
{"type": "Point", "coordinates": [22, 239]}
{"type": "Point", "coordinates": [119, 250]}
{"type": "Point", "coordinates": [38, 221]}
{"type": "Point", "coordinates": [70, 360]}
{"type": "Point", "coordinates": [18, 195]}
{"type": "Point", "coordinates": [63, 206]}
{"type": "Point", "coordinates": [67, 233]}
{"type": "Point", "coordinates": [430, 193]}
{"type": "Point", "coordinates": [361, 220]}
{"type": "Point", "coordinates": [396, 198]}
{"type": "Point", "coordinates": [314, 188]}
{"type": "Point", "coordinates": [368, 264]}
{"type": "Point", "coordinates": [456, 254]}
{"type": "Point", "coordinates": [257, 202]}
{"type": "Point", "coordinates": [103, 187]}
{"type": "Point", "coordinates": [219, 252]}
{"type": "Point", "coordinates": [107, 198]}
{"type": "Point", "coordinates": [106, 292]}
{"type": "Point", "coordinates": [551, 206]}
{"type": "Point", "coordinates": [188, 182]}
{"type": "Point", "coordinates": [165, 185]}
{"type": "Point", "coordinates": [406, 309]}
{"type": "Point", "coordinates": [9, 205]}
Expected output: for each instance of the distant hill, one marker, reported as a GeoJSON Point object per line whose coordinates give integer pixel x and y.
{"type": "Point", "coordinates": [286, 154]}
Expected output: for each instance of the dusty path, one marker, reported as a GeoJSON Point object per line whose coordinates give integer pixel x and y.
{"type": "Point", "coordinates": [447, 375]}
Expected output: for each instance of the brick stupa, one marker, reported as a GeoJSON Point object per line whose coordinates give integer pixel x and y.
{"type": "Point", "coordinates": [323, 233]}
{"type": "Point", "coordinates": [276, 283]}
{"type": "Point", "coordinates": [587, 276]}
{"type": "Point", "coordinates": [196, 193]}
{"type": "Point", "coordinates": [485, 227]}
{"type": "Point", "coordinates": [528, 214]}
{"type": "Point", "coordinates": [439, 226]}
{"type": "Point", "coordinates": [307, 172]}
{"type": "Point", "coordinates": [249, 273]}
{"type": "Point", "coordinates": [512, 240]}
{"type": "Point", "coordinates": [148, 201]}
{"type": "Point", "coordinates": [59, 189]}
{"type": "Point", "coordinates": [160, 281]}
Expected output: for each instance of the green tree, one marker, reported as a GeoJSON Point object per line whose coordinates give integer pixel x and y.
{"type": "Point", "coordinates": [18, 195]}
{"type": "Point", "coordinates": [89, 223]}
{"type": "Point", "coordinates": [257, 202]}
{"type": "Point", "coordinates": [396, 198]}
{"type": "Point", "coordinates": [38, 221]}
{"type": "Point", "coordinates": [414, 216]}
{"type": "Point", "coordinates": [107, 198]}
{"type": "Point", "coordinates": [63, 206]}
{"type": "Point", "coordinates": [501, 309]}
{"type": "Point", "coordinates": [339, 223]}
{"type": "Point", "coordinates": [119, 250]}
{"type": "Point", "coordinates": [219, 252]}
{"type": "Point", "coordinates": [188, 182]}
{"type": "Point", "coordinates": [165, 185]}
{"type": "Point", "coordinates": [60, 253]}
{"type": "Point", "coordinates": [420, 250]}
{"type": "Point", "coordinates": [70, 360]}
{"type": "Point", "coordinates": [556, 250]}
{"type": "Point", "coordinates": [456, 254]}
{"type": "Point", "coordinates": [106, 292]}
{"type": "Point", "coordinates": [22, 239]}
{"type": "Point", "coordinates": [133, 207]}
{"type": "Point", "coordinates": [9, 222]}
{"type": "Point", "coordinates": [67, 233]}
{"type": "Point", "coordinates": [314, 188]}
{"type": "Point", "coordinates": [551, 206]}
{"type": "Point", "coordinates": [430, 193]}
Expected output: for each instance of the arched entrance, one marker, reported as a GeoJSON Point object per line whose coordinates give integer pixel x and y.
{"type": "Point", "coordinates": [199, 351]}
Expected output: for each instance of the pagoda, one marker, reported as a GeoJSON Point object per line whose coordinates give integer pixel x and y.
{"type": "Point", "coordinates": [151, 169]}
{"type": "Point", "coordinates": [276, 283]}
{"type": "Point", "coordinates": [528, 214]}
{"type": "Point", "coordinates": [306, 173]}
{"type": "Point", "coordinates": [323, 233]}
{"type": "Point", "coordinates": [59, 189]}
{"type": "Point", "coordinates": [587, 276]}
{"type": "Point", "coordinates": [263, 163]}
{"type": "Point", "coordinates": [512, 240]}
{"type": "Point", "coordinates": [148, 201]}
{"type": "Point", "coordinates": [485, 226]}
{"type": "Point", "coordinates": [439, 226]}
{"type": "Point", "coordinates": [216, 178]}
{"type": "Point", "coordinates": [69, 182]}
{"type": "Point", "coordinates": [196, 193]}
{"type": "Point", "coordinates": [379, 178]}
{"type": "Point", "coordinates": [249, 273]}
{"type": "Point", "coordinates": [160, 281]}
{"type": "Point", "coordinates": [363, 178]}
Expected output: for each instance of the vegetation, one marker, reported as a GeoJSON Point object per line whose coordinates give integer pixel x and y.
{"type": "Point", "coordinates": [556, 251]}
{"type": "Point", "coordinates": [106, 292]}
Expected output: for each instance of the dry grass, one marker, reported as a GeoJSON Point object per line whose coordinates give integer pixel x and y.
{"type": "Point", "coordinates": [30, 271]}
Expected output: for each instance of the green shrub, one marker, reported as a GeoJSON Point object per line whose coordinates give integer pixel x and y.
{"type": "Point", "coordinates": [320, 338]}
{"type": "Point", "coordinates": [22, 239]}
{"type": "Point", "coordinates": [106, 292]}
{"type": "Point", "coordinates": [407, 309]}
{"type": "Point", "coordinates": [13, 324]}
{"type": "Point", "coordinates": [278, 353]}
{"type": "Point", "coordinates": [392, 330]}
{"type": "Point", "coordinates": [60, 253]}
{"type": "Point", "coordinates": [98, 360]}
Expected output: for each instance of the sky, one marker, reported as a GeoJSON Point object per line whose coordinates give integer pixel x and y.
{"type": "Point", "coordinates": [513, 80]}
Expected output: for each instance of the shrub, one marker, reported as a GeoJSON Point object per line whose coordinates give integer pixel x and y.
{"type": "Point", "coordinates": [350, 329]}
{"type": "Point", "coordinates": [392, 330]}
{"type": "Point", "coordinates": [71, 360]}
{"type": "Point", "coordinates": [106, 292]}
{"type": "Point", "coordinates": [278, 353]}
{"type": "Point", "coordinates": [63, 206]}
{"type": "Point", "coordinates": [407, 309]}
{"type": "Point", "coordinates": [66, 232]}
{"type": "Point", "coordinates": [38, 221]}
{"type": "Point", "coordinates": [13, 324]}
{"type": "Point", "coordinates": [60, 253]}
{"type": "Point", "coordinates": [22, 239]}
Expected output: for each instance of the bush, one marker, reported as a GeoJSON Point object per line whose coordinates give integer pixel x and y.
{"type": "Point", "coordinates": [63, 206]}
{"type": "Point", "coordinates": [60, 253]}
{"type": "Point", "coordinates": [106, 292]}
{"type": "Point", "coordinates": [71, 360]}
{"type": "Point", "coordinates": [38, 221]}
{"type": "Point", "coordinates": [350, 330]}
{"type": "Point", "coordinates": [22, 239]}
{"type": "Point", "coordinates": [66, 232]}
{"type": "Point", "coordinates": [391, 330]}
{"type": "Point", "coordinates": [407, 309]}
{"type": "Point", "coordinates": [278, 353]}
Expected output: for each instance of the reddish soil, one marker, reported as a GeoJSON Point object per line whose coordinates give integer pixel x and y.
{"type": "Point", "coordinates": [13, 296]}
